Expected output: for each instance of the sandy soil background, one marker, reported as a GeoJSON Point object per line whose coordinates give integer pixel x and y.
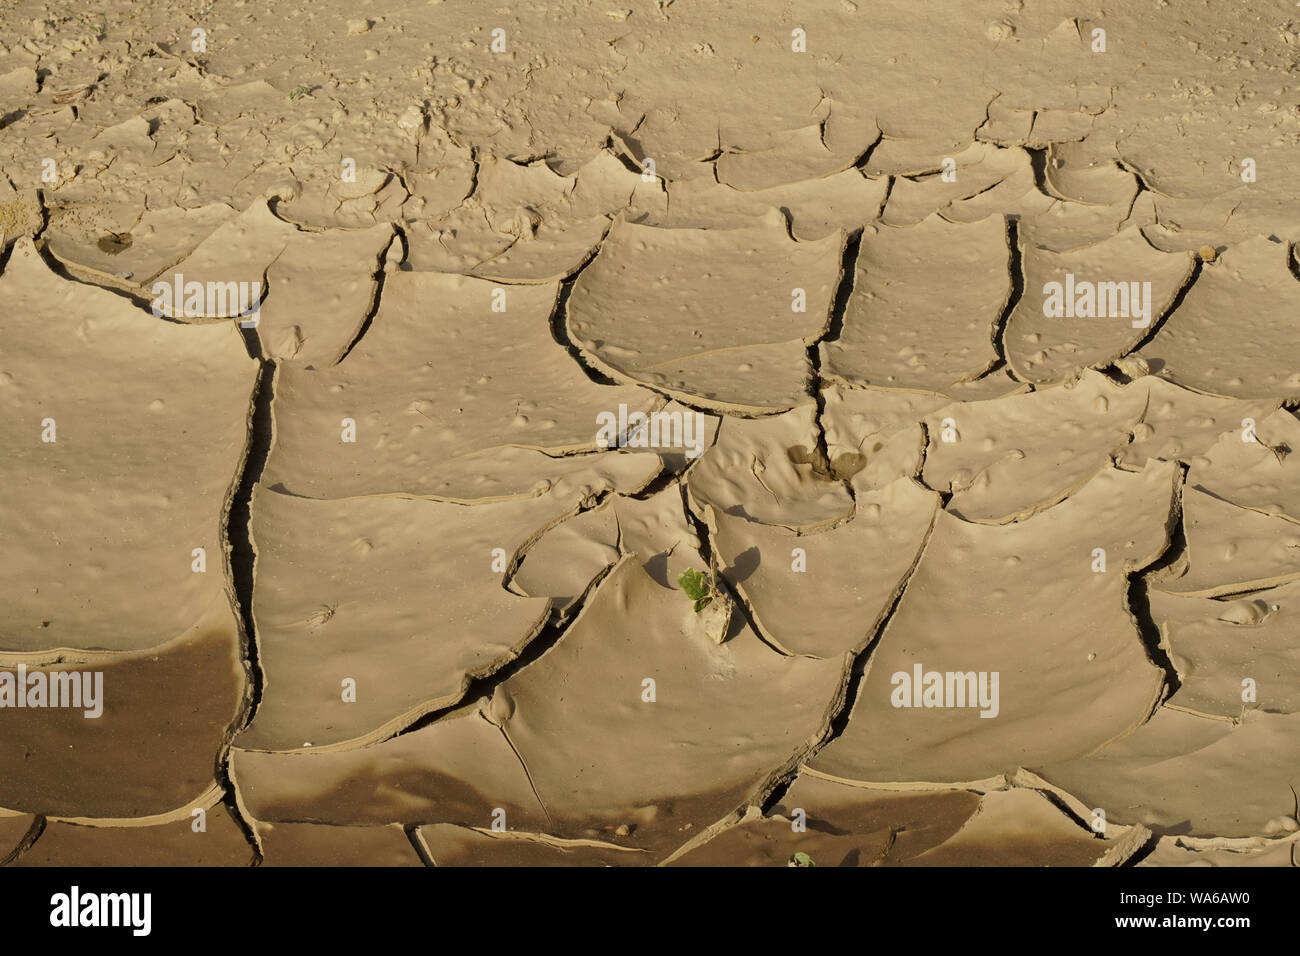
{"type": "Point", "coordinates": [364, 585]}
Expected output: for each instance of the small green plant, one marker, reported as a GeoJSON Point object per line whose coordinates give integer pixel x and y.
{"type": "Point", "coordinates": [706, 596]}
{"type": "Point", "coordinates": [800, 859]}
{"type": "Point", "coordinates": [698, 587]}
{"type": "Point", "coordinates": [99, 28]}
{"type": "Point", "coordinates": [299, 90]}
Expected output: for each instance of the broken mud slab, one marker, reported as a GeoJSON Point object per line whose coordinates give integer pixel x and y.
{"type": "Point", "coordinates": [460, 769]}
{"type": "Point", "coordinates": [904, 330]}
{"type": "Point", "coordinates": [1256, 466]}
{"type": "Point", "coordinates": [719, 319]}
{"type": "Point", "coordinates": [902, 157]}
{"type": "Point", "coordinates": [159, 238]}
{"type": "Point", "coordinates": [1007, 458]}
{"type": "Point", "coordinates": [450, 845]}
{"type": "Point", "coordinates": [683, 135]}
{"type": "Point", "coordinates": [816, 208]}
{"type": "Point", "coordinates": [524, 223]}
{"type": "Point", "coordinates": [1020, 827]}
{"type": "Point", "coordinates": [974, 170]}
{"type": "Point", "coordinates": [1191, 851]}
{"type": "Point", "coordinates": [1232, 655]}
{"type": "Point", "coordinates": [770, 470]}
{"type": "Point", "coordinates": [660, 533]}
{"type": "Point", "coordinates": [1179, 424]}
{"type": "Point", "coordinates": [525, 248]}
{"type": "Point", "coordinates": [949, 703]}
{"type": "Point", "coordinates": [1085, 309]}
{"type": "Point", "coordinates": [1073, 171]}
{"type": "Point", "coordinates": [875, 437]}
{"type": "Point", "coordinates": [1231, 549]}
{"type": "Point", "coordinates": [319, 288]}
{"type": "Point", "coordinates": [347, 657]}
{"type": "Point", "coordinates": [676, 675]}
{"type": "Point", "coordinates": [678, 446]}
{"type": "Point", "coordinates": [662, 802]}
{"type": "Point", "coordinates": [240, 250]}
{"type": "Point", "coordinates": [798, 156]}
{"type": "Point", "coordinates": [307, 844]}
{"type": "Point", "coordinates": [836, 824]}
{"type": "Point", "coordinates": [1013, 197]}
{"type": "Point", "coordinates": [508, 473]}
{"type": "Point", "coordinates": [567, 558]}
{"type": "Point", "coordinates": [130, 431]}
{"type": "Point", "coordinates": [322, 287]}
{"type": "Point", "coordinates": [212, 838]}
{"type": "Point", "coordinates": [1180, 774]}
{"type": "Point", "coordinates": [824, 593]}
{"type": "Point", "coordinates": [1074, 228]}
{"type": "Point", "coordinates": [472, 405]}
{"type": "Point", "coordinates": [54, 761]}
{"type": "Point", "coordinates": [996, 384]}
{"type": "Point", "coordinates": [1249, 357]}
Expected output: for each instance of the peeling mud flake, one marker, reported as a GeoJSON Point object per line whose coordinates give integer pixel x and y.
{"type": "Point", "coordinates": [1179, 424]}
{"type": "Point", "coordinates": [970, 172]}
{"type": "Point", "coordinates": [1216, 851]}
{"type": "Point", "coordinates": [719, 319]}
{"type": "Point", "coordinates": [1256, 466]}
{"type": "Point", "coordinates": [450, 845]}
{"type": "Point", "coordinates": [799, 155]}
{"type": "Point", "coordinates": [1254, 354]}
{"type": "Point", "coordinates": [564, 561]}
{"type": "Point", "coordinates": [363, 625]}
{"type": "Point", "coordinates": [1200, 777]}
{"type": "Point", "coordinates": [126, 475]}
{"type": "Point", "coordinates": [1021, 827]}
{"type": "Point", "coordinates": [322, 288]}
{"type": "Point", "coordinates": [770, 470]}
{"type": "Point", "coordinates": [17, 830]}
{"type": "Point", "coordinates": [1232, 655]}
{"type": "Point", "coordinates": [1071, 172]}
{"type": "Point", "coordinates": [658, 531]}
{"type": "Point", "coordinates": [1007, 458]}
{"type": "Point", "coordinates": [902, 329]}
{"type": "Point", "coordinates": [460, 769]}
{"type": "Point", "coordinates": [471, 405]}
{"type": "Point", "coordinates": [941, 703]}
{"type": "Point", "coordinates": [823, 594]}
{"type": "Point", "coordinates": [817, 207]}
{"type": "Point", "coordinates": [874, 436]}
{"type": "Point", "coordinates": [1084, 309]}
{"type": "Point", "coordinates": [675, 682]}
{"type": "Point", "coordinates": [1076, 229]}
{"type": "Point", "coordinates": [1231, 549]}
{"type": "Point", "coordinates": [208, 837]}
{"type": "Point", "coordinates": [238, 252]}
{"type": "Point", "coordinates": [836, 824]}
{"type": "Point", "coordinates": [161, 238]}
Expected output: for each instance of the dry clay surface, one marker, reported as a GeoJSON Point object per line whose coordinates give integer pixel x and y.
{"type": "Point", "coordinates": [372, 374]}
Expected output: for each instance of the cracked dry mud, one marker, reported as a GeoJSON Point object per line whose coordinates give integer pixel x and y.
{"type": "Point", "coordinates": [369, 579]}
